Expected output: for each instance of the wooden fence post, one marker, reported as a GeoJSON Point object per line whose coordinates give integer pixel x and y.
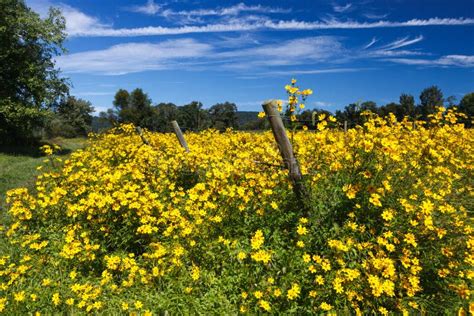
{"type": "Point", "coordinates": [286, 151]}
{"type": "Point", "coordinates": [180, 135]}
{"type": "Point", "coordinates": [345, 126]}
{"type": "Point", "coordinates": [140, 132]}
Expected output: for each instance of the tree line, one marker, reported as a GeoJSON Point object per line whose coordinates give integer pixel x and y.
{"type": "Point", "coordinates": [430, 98]}
{"type": "Point", "coordinates": [136, 107]}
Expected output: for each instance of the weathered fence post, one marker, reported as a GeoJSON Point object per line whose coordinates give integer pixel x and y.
{"type": "Point", "coordinates": [345, 126]}
{"type": "Point", "coordinates": [180, 135]}
{"type": "Point", "coordinates": [140, 132]}
{"type": "Point", "coordinates": [286, 150]}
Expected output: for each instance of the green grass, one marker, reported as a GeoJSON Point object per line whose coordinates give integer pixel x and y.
{"type": "Point", "coordinates": [18, 164]}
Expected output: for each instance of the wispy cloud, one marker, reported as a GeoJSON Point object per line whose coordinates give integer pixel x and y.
{"type": "Point", "coordinates": [444, 61]}
{"type": "Point", "coordinates": [290, 52]}
{"type": "Point", "coordinates": [302, 56]}
{"type": "Point", "coordinates": [322, 104]}
{"type": "Point", "coordinates": [392, 49]}
{"type": "Point", "coordinates": [374, 16]}
{"type": "Point", "coordinates": [264, 24]}
{"type": "Point", "coordinates": [402, 42]}
{"type": "Point", "coordinates": [80, 24]}
{"type": "Point", "coordinates": [342, 8]}
{"type": "Point", "coordinates": [151, 8]}
{"type": "Point", "coordinates": [291, 72]}
{"type": "Point", "coordinates": [134, 57]}
{"type": "Point", "coordinates": [372, 42]}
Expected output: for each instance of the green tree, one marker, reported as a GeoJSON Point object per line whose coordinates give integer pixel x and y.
{"type": "Point", "coordinates": [134, 107]}
{"type": "Point", "coordinates": [140, 108]}
{"type": "Point", "coordinates": [164, 114]}
{"type": "Point", "coordinates": [393, 108]}
{"type": "Point", "coordinates": [193, 117]}
{"type": "Point", "coordinates": [30, 83]}
{"type": "Point", "coordinates": [430, 98]}
{"type": "Point", "coordinates": [467, 104]}
{"type": "Point", "coordinates": [407, 104]}
{"type": "Point", "coordinates": [223, 115]}
{"type": "Point", "coordinates": [121, 100]}
{"type": "Point", "coordinates": [73, 118]}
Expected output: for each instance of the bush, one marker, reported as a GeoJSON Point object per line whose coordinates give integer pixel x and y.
{"type": "Point", "coordinates": [119, 229]}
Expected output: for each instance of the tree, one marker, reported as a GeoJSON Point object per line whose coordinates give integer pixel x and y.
{"type": "Point", "coordinates": [121, 100]}
{"type": "Point", "coordinates": [393, 108]}
{"type": "Point", "coordinates": [75, 116]}
{"type": "Point", "coordinates": [223, 115]}
{"type": "Point", "coordinates": [192, 116]}
{"type": "Point", "coordinates": [164, 114]}
{"type": "Point", "coordinates": [466, 106]}
{"type": "Point", "coordinates": [30, 83]}
{"type": "Point", "coordinates": [430, 98]}
{"type": "Point", "coordinates": [407, 104]}
{"type": "Point", "coordinates": [134, 107]}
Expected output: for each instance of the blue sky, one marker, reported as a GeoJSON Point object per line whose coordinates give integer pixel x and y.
{"type": "Point", "coordinates": [246, 51]}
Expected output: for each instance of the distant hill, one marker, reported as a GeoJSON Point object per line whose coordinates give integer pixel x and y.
{"type": "Point", "coordinates": [244, 117]}
{"type": "Point", "coordinates": [99, 124]}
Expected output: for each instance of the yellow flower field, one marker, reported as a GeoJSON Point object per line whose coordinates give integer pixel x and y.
{"type": "Point", "coordinates": [125, 227]}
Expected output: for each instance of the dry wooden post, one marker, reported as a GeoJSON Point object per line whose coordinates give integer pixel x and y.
{"type": "Point", "coordinates": [180, 135]}
{"type": "Point", "coordinates": [286, 150]}
{"type": "Point", "coordinates": [140, 132]}
{"type": "Point", "coordinates": [345, 126]}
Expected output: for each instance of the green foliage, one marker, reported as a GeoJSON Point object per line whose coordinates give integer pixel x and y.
{"type": "Point", "coordinates": [73, 117]}
{"type": "Point", "coordinates": [430, 98]}
{"type": "Point", "coordinates": [164, 113]}
{"type": "Point", "coordinates": [30, 81]}
{"type": "Point", "coordinates": [19, 123]}
{"type": "Point", "coordinates": [223, 115]}
{"type": "Point", "coordinates": [467, 104]}
{"type": "Point", "coordinates": [193, 117]}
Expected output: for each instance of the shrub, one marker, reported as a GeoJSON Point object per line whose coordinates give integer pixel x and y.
{"type": "Point", "coordinates": [119, 229]}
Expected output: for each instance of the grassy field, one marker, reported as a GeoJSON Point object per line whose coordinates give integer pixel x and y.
{"type": "Point", "coordinates": [18, 164]}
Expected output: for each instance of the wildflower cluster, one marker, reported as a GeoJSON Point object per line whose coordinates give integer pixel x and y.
{"type": "Point", "coordinates": [127, 227]}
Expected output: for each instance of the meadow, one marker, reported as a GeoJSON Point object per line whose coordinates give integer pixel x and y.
{"type": "Point", "coordinates": [124, 227]}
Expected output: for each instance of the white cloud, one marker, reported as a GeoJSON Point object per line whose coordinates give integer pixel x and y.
{"type": "Point", "coordinates": [372, 42]}
{"type": "Point", "coordinates": [133, 57]}
{"type": "Point", "coordinates": [402, 42]}
{"type": "Point", "coordinates": [322, 104]}
{"type": "Point", "coordinates": [78, 22]}
{"type": "Point", "coordinates": [152, 8]}
{"type": "Point", "coordinates": [265, 25]}
{"type": "Point", "coordinates": [373, 16]}
{"type": "Point", "coordinates": [308, 50]}
{"type": "Point", "coordinates": [291, 52]}
{"type": "Point", "coordinates": [342, 8]}
{"type": "Point", "coordinates": [318, 55]}
{"type": "Point", "coordinates": [311, 71]}
{"type": "Point", "coordinates": [392, 49]}
{"type": "Point", "coordinates": [444, 61]}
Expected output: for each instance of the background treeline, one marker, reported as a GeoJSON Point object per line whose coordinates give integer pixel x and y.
{"type": "Point", "coordinates": [137, 108]}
